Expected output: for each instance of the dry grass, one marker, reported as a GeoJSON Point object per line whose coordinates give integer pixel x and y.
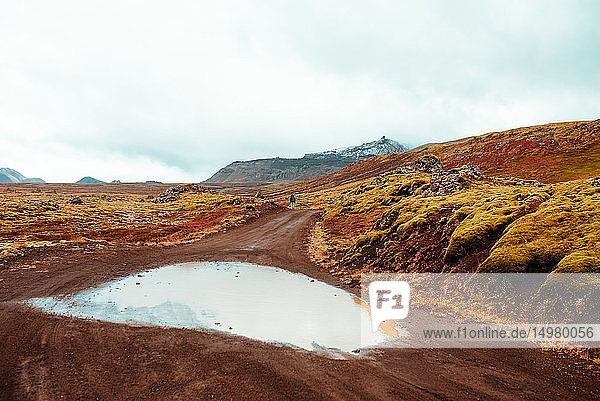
{"type": "Point", "coordinates": [36, 218]}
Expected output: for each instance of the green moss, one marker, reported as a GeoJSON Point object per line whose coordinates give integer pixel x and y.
{"type": "Point", "coordinates": [366, 239]}
{"type": "Point", "coordinates": [478, 226]}
{"type": "Point", "coordinates": [579, 262]}
{"type": "Point", "coordinates": [564, 224]}
{"type": "Point", "coordinates": [515, 228]}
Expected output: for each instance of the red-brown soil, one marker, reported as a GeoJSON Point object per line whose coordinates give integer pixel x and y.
{"type": "Point", "coordinates": [50, 357]}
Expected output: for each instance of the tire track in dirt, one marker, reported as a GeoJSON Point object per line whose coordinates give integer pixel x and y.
{"type": "Point", "coordinates": [49, 357]}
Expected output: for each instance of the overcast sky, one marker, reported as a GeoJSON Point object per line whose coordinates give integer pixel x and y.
{"type": "Point", "coordinates": [174, 90]}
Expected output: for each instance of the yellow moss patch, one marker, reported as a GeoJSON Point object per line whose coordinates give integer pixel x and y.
{"type": "Point", "coordinates": [567, 223]}
{"type": "Point", "coordinates": [579, 262]}
{"type": "Point", "coordinates": [34, 219]}
{"type": "Point", "coordinates": [522, 227]}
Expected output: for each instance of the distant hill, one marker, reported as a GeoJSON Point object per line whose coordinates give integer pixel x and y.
{"type": "Point", "coordinates": [547, 153]}
{"type": "Point", "coordinates": [310, 166]}
{"type": "Point", "coordinates": [89, 180]}
{"type": "Point", "coordinates": [10, 175]}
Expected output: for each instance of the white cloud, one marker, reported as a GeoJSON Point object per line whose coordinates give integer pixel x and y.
{"type": "Point", "coordinates": [173, 91]}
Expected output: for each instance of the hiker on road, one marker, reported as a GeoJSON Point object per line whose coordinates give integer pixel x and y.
{"type": "Point", "coordinates": [292, 201]}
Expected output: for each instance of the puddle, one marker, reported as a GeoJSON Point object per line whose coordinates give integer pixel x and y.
{"type": "Point", "coordinates": [259, 302]}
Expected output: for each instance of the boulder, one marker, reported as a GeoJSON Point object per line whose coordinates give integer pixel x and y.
{"type": "Point", "coordinates": [471, 172]}
{"type": "Point", "coordinates": [234, 201]}
{"type": "Point", "coordinates": [75, 200]}
{"type": "Point", "coordinates": [386, 220]}
{"type": "Point", "coordinates": [428, 164]}
{"type": "Point", "coordinates": [444, 183]}
{"type": "Point", "coordinates": [173, 193]}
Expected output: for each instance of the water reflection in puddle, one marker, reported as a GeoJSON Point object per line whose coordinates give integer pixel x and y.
{"type": "Point", "coordinates": [259, 302]}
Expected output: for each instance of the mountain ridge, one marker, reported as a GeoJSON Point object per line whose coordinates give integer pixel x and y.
{"type": "Point", "coordinates": [8, 175]}
{"type": "Point", "coordinates": [311, 165]}
{"type": "Point", "coordinates": [366, 150]}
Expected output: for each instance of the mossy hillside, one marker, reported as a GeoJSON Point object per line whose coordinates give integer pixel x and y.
{"type": "Point", "coordinates": [469, 216]}
{"type": "Point", "coordinates": [484, 213]}
{"type": "Point", "coordinates": [357, 208]}
{"type": "Point", "coordinates": [317, 199]}
{"type": "Point", "coordinates": [562, 235]}
{"type": "Point", "coordinates": [508, 227]}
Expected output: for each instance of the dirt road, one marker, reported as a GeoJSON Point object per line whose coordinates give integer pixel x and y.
{"type": "Point", "coordinates": [49, 357]}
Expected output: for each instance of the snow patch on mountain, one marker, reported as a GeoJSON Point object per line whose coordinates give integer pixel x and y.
{"type": "Point", "coordinates": [380, 147]}
{"type": "Point", "coordinates": [13, 176]}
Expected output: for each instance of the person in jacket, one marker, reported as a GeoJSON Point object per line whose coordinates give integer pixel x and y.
{"type": "Point", "coordinates": [292, 201]}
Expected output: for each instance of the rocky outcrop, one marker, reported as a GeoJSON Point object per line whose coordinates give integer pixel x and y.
{"type": "Point", "coordinates": [471, 172]}
{"type": "Point", "coordinates": [386, 220]}
{"type": "Point", "coordinates": [174, 193]}
{"type": "Point", "coordinates": [444, 183]}
{"type": "Point", "coordinates": [428, 164]}
{"type": "Point", "coordinates": [424, 164]}
{"type": "Point", "coordinates": [75, 200]}
{"type": "Point", "coordinates": [441, 182]}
